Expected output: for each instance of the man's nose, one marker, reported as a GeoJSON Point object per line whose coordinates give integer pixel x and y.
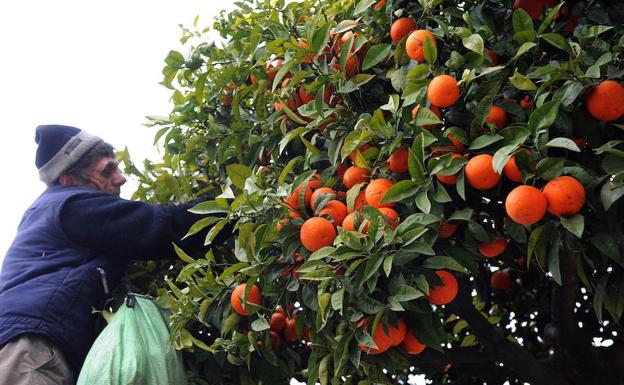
{"type": "Point", "coordinates": [120, 180]}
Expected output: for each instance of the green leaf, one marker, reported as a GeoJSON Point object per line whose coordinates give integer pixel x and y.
{"type": "Point", "coordinates": [401, 190]}
{"type": "Point", "coordinates": [474, 43]}
{"type": "Point", "coordinates": [423, 202]}
{"type": "Point", "coordinates": [610, 193]}
{"type": "Point", "coordinates": [502, 156]}
{"type": "Point", "coordinates": [321, 253]}
{"type": "Point", "coordinates": [484, 141]}
{"type": "Point", "coordinates": [260, 324]}
{"type": "Point", "coordinates": [430, 50]}
{"type": "Point", "coordinates": [238, 173]}
{"type": "Point", "coordinates": [375, 55]}
{"type": "Point", "coordinates": [544, 116]}
{"type": "Point", "coordinates": [363, 5]}
{"type": "Point", "coordinates": [557, 41]}
{"type": "Point", "coordinates": [415, 160]}
{"type": "Point", "coordinates": [587, 31]}
{"type": "Point", "coordinates": [574, 224]}
{"type": "Point", "coordinates": [211, 207]}
{"type": "Point", "coordinates": [200, 225]}
{"type": "Point", "coordinates": [521, 82]}
{"type": "Point", "coordinates": [550, 168]}
{"type": "Point", "coordinates": [566, 143]}
{"type": "Point", "coordinates": [521, 21]}
{"type": "Point", "coordinates": [524, 48]}
{"type": "Point", "coordinates": [553, 259]}
{"type": "Point", "coordinates": [405, 293]}
{"type": "Point", "coordinates": [320, 39]}
{"type": "Point", "coordinates": [183, 256]}
{"type": "Point", "coordinates": [440, 262]}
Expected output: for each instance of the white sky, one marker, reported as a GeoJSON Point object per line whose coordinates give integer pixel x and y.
{"type": "Point", "coordinates": [93, 65]}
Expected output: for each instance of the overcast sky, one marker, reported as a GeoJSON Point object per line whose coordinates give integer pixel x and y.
{"type": "Point", "coordinates": [93, 65]}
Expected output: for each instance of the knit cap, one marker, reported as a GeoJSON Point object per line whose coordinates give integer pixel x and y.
{"type": "Point", "coordinates": [59, 148]}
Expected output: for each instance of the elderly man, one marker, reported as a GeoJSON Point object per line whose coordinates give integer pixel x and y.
{"type": "Point", "coordinates": [71, 245]}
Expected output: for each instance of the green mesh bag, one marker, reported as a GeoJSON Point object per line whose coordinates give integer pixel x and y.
{"type": "Point", "coordinates": [134, 349]}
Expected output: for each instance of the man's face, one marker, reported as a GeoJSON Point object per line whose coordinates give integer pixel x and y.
{"type": "Point", "coordinates": [104, 175]}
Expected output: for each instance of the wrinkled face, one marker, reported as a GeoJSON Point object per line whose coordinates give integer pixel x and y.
{"type": "Point", "coordinates": [105, 175]}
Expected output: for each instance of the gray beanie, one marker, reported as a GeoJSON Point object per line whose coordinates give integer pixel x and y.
{"type": "Point", "coordinates": [59, 148]}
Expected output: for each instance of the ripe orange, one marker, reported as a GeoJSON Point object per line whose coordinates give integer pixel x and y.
{"type": "Point", "coordinates": [380, 4]}
{"type": "Point", "coordinates": [397, 334]}
{"type": "Point", "coordinates": [443, 91]}
{"type": "Point", "coordinates": [500, 280]}
{"type": "Point", "coordinates": [391, 216]}
{"type": "Point", "coordinates": [362, 149]}
{"type": "Point", "coordinates": [355, 175]}
{"type": "Point", "coordinates": [526, 205]}
{"type": "Point", "coordinates": [318, 194]}
{"type": "Point", "coordinates": [293, 197]}
{"type": "Point", "coordinates": [317, 232]}
{"type": "Point", "coordinates": [360, 201]}
{"type": "Point", "coordinates": [376, 190]}
{"type": "Point", "coordinates": [340, 170]}
{"type": "Point", "coordinates": [397, 162]}
{"type": "Point", "coordinates": [411, 345]}
{"type": "Point", "coordinates": [276, 340]}
{"type": "Point", "coordinates": [381, 339]}
{"type": "Point", "coordinates": [565, 196]}
{"type": "Point", "coordinates": [606, 101]}
{"type": "Point", "coordinates": [278, 321]}
{"type": "Point", "coordinates": [255, 297]}
{"type": "Point", "coordinates": [447, 230]}
{"type": "Point", "coordinates": [353, 221]}
{"type": "Point", "coordinates": [434, 109]}
{"type": "Point", "coordinates": [449, 179]}
{"type": "Point", "coordinates": [291, 214]}
{"type": "Point", "coordinates": [480, 174]}
{"type": "Point", "coordinates": [459, 146]}
{"type": "Point", "coordinates": [493, 57]}
{"type": "Point", "coordinates": [337, 210]}
{"type": "Point", "coordinates": [533, 7]}
{"type": "Point", "coordinates": [497, 116]}
{"type": "Point", "coordinates": [290, 331]}
{"type": "Point", "coordinates": [526, 103]}
{"type": "Point", "coordinates": [414, 45]}
{"type": "Point", "coordinates": [401, 28]}
{"type": "Point", "coordinates": [494, 248]}
{"type": "Point", "coordinates": [445, 293]}
{"type": "Point", "coordinates": [511, 170]}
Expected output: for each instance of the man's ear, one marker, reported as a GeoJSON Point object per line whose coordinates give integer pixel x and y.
{"type": "Point", "coordinates": [65, 180]}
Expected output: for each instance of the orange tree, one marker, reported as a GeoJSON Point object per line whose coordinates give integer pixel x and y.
{"type": "Point", "coordinates": [416, 186]}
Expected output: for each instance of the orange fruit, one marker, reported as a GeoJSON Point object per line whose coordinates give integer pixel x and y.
{"type": "Point", "coordinates": [337, 210]}
{"type": "Point", "coordinates": [293, 197]}
{"type": "Point", "coordinates": [526, 103]}
{"type": "Point", "coordinates": [480, 174]}
{"type": "Point", "coordinates": [360, 201]}
{"type": "Point", "coordinates": [362, 149]}
{"type": "Point", "coordinates": [376, 190]}
{"type": "Point", "coordinates": [445, 293]}
{"type": "Point", "coordinates": [500, 280]}
{"type": "Point", "coordinates": [340, 170]}
{"type": "Point", "coordinates": [397, 162]}
{"type": "Point", "coordinates": [494, 248]}
{"type": "Point", "coordinates": [381, 339]}
{"type": "Point", "coordinates": [443, 91]}
{"type": "Point", "coordinates": [255, 297]}
{"type": "Point", "coordinates": [525, 205]}
{"type": "Point", "coordinates": [411, 345]}
{"type": "Point", "coordinates": [511, 170]}
{"type": "Point", "coordinates": [317, 232]}
{"type": "Point", "coordinates": [449, 179]}
{"type": "Point", "coordinates": [459, 146]}
{"type": "Point", "coordinates": [349, 223]}
{"type": "Point", "coordinates": [565, 196]}
{"type": "Point", "coordinates": [497, 116]}
{"type": "Point", "coordinates": [278, 321]}
{"type": "Point", "coordinates": [380, 4]}
{"type": "Point", "coordinates": [446, 230]}
{"type": "Point", "coordinates": [606, 101]}
{"type": "Point", "coordinates": [397, 334]}
{"type": "Point", "coordinates": [318, 194]}
{"type": "Point", "coordinates": [401, 28]}
{"type": "Point", "coordinates": [391, 216]}
{"type": "Point", "coordinates": [533, 7]}
{"type": "Point", "coordinates": [291, 214]}
{"type": "Point", "coordinates": [415, 43]}
{"type": "Point", "coordinates": [290, 331]}
{"type": "Point", "coordinates": [276, 340]}
{"type": "Point", "coordinates": [355, 175]}
{"type": "Point", "coordinates": [493, 57]}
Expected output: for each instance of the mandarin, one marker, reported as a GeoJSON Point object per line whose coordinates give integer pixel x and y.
{"type": "Point", "coordinates": [411, 345]}
{"type": "Point", "coordinates": [605, 101]}
{"type": "Point", "coordinates": [414, 45]}
{"type": "Point", "coordinates": [398, 160]}
{"type": "Point", "coordinates": [376, 190]}
{"type": "Point", "coordinates": [525, 205]}
{"type": "Point", "coordinates": [443, 91]}
{"type": "Point", "coordinates": [336, 210]}
{"type": "Point", "coordinates": [497, 116]}
{"type": "Point", "coordinates": [494, 248]}
{"type": "Point", "coordinates": [316, 233]}
{"type": "Point", "coordinates": [565, 196]}
{"type": "Point", "coordinates": [355, 175]}
{"type": "Point", "coordinates": [445, 293]}
{"type": "Point", "coordinates": [480, 174]}
{"type": "Point", "coordinates": [401, 28]}
{"type": "Point", "coordinates": [254, 297]}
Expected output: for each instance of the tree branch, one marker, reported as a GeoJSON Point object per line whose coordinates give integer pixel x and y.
{"type": "Point", "coordinates": [496, 344]}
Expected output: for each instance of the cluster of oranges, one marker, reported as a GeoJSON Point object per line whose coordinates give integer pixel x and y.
{"type": "Point", "coordinates": [395, 335]}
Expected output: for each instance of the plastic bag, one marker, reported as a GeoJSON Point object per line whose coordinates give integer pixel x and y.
{"type": "Point", "coordinates": [134, 349]}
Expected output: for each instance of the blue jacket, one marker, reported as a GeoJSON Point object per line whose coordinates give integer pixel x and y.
{"type": "Point", "coordinates": [52, 273]}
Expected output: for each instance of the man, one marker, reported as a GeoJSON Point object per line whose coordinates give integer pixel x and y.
{"type": "Point", "coordinates": [71, 246]}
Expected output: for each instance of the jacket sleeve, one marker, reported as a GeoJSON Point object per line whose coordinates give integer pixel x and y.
{"type": "Point", "coordinates": [118, 227]}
